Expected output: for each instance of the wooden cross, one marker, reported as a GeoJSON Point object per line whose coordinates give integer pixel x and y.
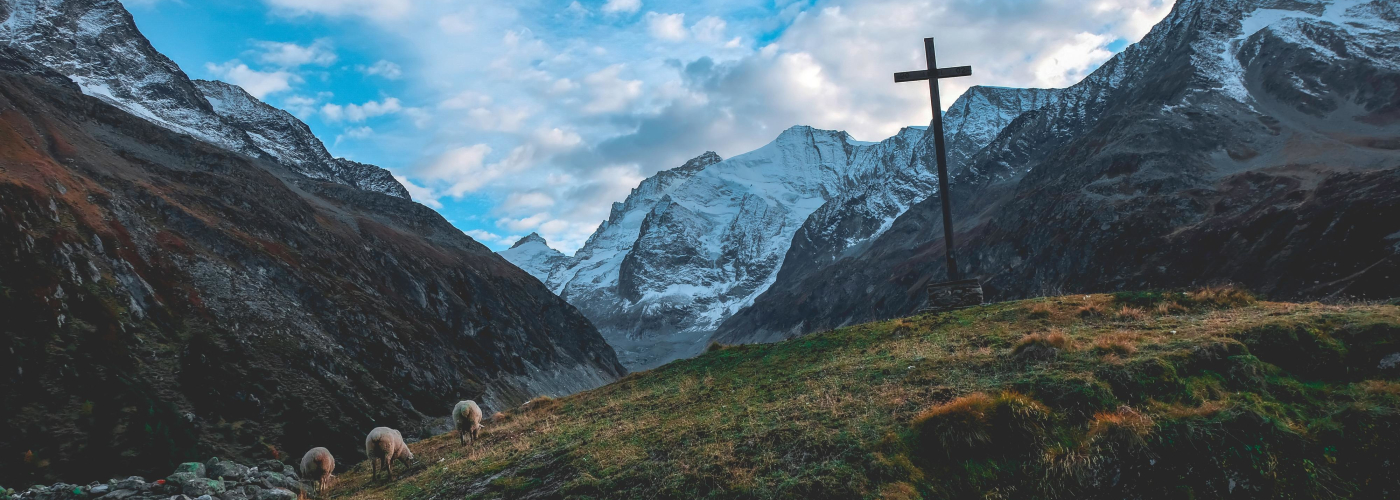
{"type": "Point", "coordinates": [933, 74]}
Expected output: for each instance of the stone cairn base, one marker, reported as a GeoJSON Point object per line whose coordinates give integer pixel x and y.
{"type": "Point", "coordinates": [953, 295]}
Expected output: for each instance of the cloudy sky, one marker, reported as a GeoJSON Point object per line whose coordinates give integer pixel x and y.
{"type": "Point", "coordinates": [517, 116]}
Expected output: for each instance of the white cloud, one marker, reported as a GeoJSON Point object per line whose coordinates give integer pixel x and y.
{"type": "Point", "coordinates": [420, 194]}
{"type": "Point", "coordinates": [455, 25]}
{"type": "Point", "coordinates": [527, 200]}
{"type": "Point", "coordinates": [526, 223]}
{"type": "Point", "coordinates": [257, 83]}
{"type": "Point", "coordinates": [623, 6]}
{"type": "Point", "coordinates": [669, 27]}
{"type": "Point", "coordinates": [379, 9]}
{"type": "Point", "coordinates": [578, 10]}
{"type": "Point", "coordinates": [360, 112]}
{"type": "Point", "coordinates": [499, 119]}
{"type": "Point", "coordinates": [558, 139]}
{"type": "Point", "coordinates": [354, 133]}
{"type": "Point", "coordinates": [709, 29]}
{"type": "Point", "coordinates": [610, 93]}
{"type": "Point", "coordinates": [290, 55]}
{"type": "Point", "coordinates": [384, 68]}
{"type": "Point", "coordinates": [489, 237]}
{"type": "Point", "coordinates": [1071, 60]}
{"type": "Point", "coordinates": [303, 107]}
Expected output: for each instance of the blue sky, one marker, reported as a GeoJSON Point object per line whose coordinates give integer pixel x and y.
{"type": "Point", "coordinates": [513, 117]}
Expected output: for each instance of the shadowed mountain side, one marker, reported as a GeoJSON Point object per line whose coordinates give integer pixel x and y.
{"type": "Point", "coordinates": [165, 300]}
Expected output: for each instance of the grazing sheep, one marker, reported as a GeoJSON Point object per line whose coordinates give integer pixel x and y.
{"type": "Point", "coordinates": [386, 445]}
{"type": "Point", "coordinates": [467, 416]}
{"type": "Point", "coordinates": [317, 466]}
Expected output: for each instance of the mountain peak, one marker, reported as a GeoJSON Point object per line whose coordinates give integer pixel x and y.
{"type": "Point", "coordinates": [532, 237]}
{"type": "Point", "coordinates": [699, 163]}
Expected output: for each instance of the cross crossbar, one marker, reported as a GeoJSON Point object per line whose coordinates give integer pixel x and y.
{"type": "Point", "coordinates": [914, 76]}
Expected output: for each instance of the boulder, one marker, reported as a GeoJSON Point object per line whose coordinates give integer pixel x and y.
{"type": "Point", "coordinates": [228, 470]}
{"type": "Point", "coordinates": [136, 483]}
{"type": "Point", "coordinates": [195, 468]}
{"type": "Point", "coordinates": [276, 494]}
{"type": "Point", "coordinates": [203, 487]}
{"type": "Point", "coordinates": [235, 494]}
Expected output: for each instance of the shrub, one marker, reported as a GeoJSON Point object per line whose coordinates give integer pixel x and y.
{"type": "Point", "coordinates": [1089, 310]}
{"type": "Point", "coordinates": [715, 346]}
{"type": "Point", "coordinates": [980, 425]}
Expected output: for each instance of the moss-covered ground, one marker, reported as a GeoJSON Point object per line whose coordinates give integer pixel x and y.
{"type": "Point", "coordinates": [1133, 395]}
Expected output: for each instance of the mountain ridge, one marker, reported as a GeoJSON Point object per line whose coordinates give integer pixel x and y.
{"type": "Point", "coordinates": [96, 44]}
{"type": "Point", "coordinates": [1153, 172]}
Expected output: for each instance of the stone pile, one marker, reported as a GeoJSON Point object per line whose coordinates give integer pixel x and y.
{"type": "Point", "coordinates": [211, 480]}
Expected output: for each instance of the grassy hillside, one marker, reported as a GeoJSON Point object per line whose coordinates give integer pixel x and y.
{"type": "Point", "coordinates": [1153, 395]}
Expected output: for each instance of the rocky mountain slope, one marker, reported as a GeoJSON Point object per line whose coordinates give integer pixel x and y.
{"type": "Point", "coordinates": [167, 296]}
{"type": "Point", "coordinates": [692, 245]}
{"type": "Point", "coordinates": [97, 45]}
{"type": "Point", "coordinates": [1242, 140]}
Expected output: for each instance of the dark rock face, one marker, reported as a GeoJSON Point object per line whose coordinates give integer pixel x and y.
{"type": "Point", "coordinates": [1201, 154]}
{"type": "Point", "coordinates": [164, 299]}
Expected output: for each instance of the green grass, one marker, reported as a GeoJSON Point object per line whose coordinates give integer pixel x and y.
{"type": "Point", "coordinates": [1194, 395]}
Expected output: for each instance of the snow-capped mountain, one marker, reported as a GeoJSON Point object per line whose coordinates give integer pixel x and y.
{"type": "Point", "coordinates": [97, 45]}
{"type": "Point", "coordinates": [692, 245]}
{"type": "Point", "coordinates": [1242, 140]}
{"type": "Point", "coordinates": [533, 255]}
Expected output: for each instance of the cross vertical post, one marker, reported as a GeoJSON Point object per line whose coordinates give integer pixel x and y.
{"type": "Point", "coordinates": [955, 293]}
{"type": "Point", "coordinates": [942, 155]}
{"type": "Point", "coordinates": [933, 74]}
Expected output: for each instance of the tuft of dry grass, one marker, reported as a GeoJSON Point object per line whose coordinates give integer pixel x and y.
{"type": "Point", "coordinates": [1168, 308]}
{"type": "Point", "coordinates": [1134, 314]}
{"type": "Point", "coordinates": [1228, 296]}
{"type": "Point", "coordinates": [1044, 345]}
{"type": "Point", "coordinates": [1380, 387]}
{"type": "Point", "coordinates": [1121, 343]}
{"type": "Point", "coordinates": [981, 424]}
{"type": "Point", "coordinates": [1124, 425]}
{"type": "Point", "coordinates": [1039, 310]}
{"type": "Point", "coordinates": [899, 491]}
{"type": "Point", "coordinates": [1090, 310]}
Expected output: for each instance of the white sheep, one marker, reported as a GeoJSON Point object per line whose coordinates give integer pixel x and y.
{"type": "Point", "coordinates": [467, 416]}
{"type": "Point", "coordinates": [317, 466]}
{"type": "Point", "coordinates": [386, 445]}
